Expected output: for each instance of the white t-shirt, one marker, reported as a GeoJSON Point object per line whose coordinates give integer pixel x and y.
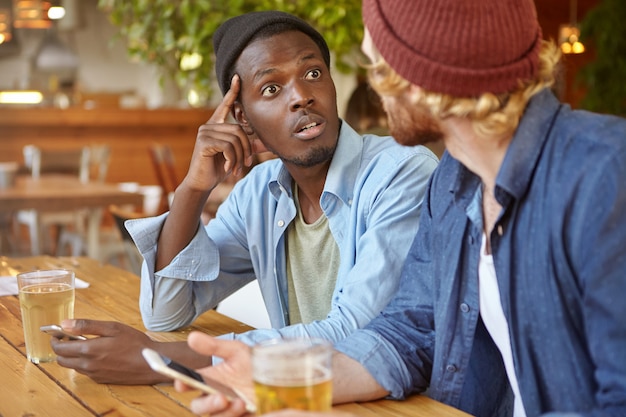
{"type": "Point", "coordinates": [495, 321]}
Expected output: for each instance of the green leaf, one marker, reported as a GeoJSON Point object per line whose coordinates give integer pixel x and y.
{"type": "Point", "coordinates": [603, 78]}
{"type": "Point", "coordinates": [158, 31]}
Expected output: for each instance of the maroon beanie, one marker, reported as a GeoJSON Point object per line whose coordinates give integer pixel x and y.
{"type": "Point", "coordinates": [458, 47]}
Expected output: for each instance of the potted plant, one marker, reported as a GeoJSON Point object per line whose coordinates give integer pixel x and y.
{"type": "Point", "coordinates": [603, 78]}
{"type": "Point", "coordinates": [176, 35]}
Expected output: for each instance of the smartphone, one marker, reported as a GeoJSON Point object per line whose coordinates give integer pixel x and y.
{"type": "Point", "coordinates": [59, 333]}
{"type": "Point", "coordinates": [164, 365]}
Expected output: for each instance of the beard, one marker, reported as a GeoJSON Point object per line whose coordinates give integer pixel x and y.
{"type": "Point", "coordinates": [316, 156]}
{"type": "Point", "coordinates": [411, 124]}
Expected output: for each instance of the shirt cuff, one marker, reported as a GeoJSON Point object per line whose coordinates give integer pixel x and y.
{"type": "Point", "coordinates": [198, 261]}
{"type": "Point", "coordinates": [380, 359]}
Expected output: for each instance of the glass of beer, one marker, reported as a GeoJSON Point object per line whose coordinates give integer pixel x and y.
{"type": "Point", "coordinates": [46, 297]}
{"type": "Point", "coordinates": [292, 373]}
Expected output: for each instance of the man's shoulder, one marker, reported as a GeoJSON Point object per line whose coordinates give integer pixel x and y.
{"type": "Point", "coordinates": [582, 145]}
{"type": "Point", "coordinates": [387, 145]}
{"type": "Point", "coordinates": [590, 128]}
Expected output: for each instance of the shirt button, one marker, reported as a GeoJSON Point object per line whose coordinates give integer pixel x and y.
{"type": "Point", "coordinates": [500, 230]}
{"type": "Point", "coordinates": [451, 368]}
{"type": "Point", "coordinates": [465, 308]}
{"type": "Point", "coordinates": [281, 223]}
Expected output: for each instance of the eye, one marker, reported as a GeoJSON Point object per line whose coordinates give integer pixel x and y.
{"type": "Point", "coordinates": [270, 90]}
{"type": "Point", "coordinates": [313, 74]}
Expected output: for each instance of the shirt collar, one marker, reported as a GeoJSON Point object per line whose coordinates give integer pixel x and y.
{"type": "Point", "coordinates": [521, 157]}
{"type": "Point", "coordinates": [525, 149]}
{"type": "Point", "coordinates": [342, 172]}
{"type": "Point", "coordinates": [345, 165]}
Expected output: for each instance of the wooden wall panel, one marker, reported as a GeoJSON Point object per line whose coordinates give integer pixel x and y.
{"type": "Point", "coordinates": [129, 133]}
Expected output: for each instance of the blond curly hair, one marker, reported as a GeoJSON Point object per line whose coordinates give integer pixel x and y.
{"type": "Point", "coordinates": [491, 114]}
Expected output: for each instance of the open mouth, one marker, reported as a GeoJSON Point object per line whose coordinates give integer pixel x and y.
{"type": "Point", "coordinates": [307, 127]}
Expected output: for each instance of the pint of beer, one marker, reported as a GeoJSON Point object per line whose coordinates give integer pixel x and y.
{"type": "Point", "coordinates": [46, 297]}
{"type": "Point", "coordinates": [292, 373]}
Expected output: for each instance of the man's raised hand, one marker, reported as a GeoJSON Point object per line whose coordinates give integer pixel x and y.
{"type": "Point", "coordinates": [221, 148]}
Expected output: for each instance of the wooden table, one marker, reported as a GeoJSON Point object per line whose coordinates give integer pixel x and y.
{"type": "Point", "coordinates": [63, 193]}
{"type": "Point", "coordinates": [50, 390]}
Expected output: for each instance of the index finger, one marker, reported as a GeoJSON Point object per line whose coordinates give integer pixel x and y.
{"type": "Point", "coordinates": [87, 326]}
{"type": "Point", "coordinates": [223, 109]}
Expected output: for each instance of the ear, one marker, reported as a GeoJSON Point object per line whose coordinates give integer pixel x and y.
{"type": "Point", "coordinates": [240, 116]}
{"type": "Point", "coordinates": [414, 93]}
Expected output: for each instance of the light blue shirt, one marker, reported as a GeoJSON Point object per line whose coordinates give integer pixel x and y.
{"type": "Point", "coordinates": [372, 199]}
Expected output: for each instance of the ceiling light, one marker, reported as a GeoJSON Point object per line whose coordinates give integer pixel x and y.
{"type": "Point", "coordinates": [569, 40]}
{"type": "Point", "coordinates": [5, 25]}
{"type": "Point", "coordinates": [569, 35]}
{"type": "Point", "coordinates": [31, 14]}
{"type": "Point", "coordinates": [56, 12]}
{"type": "Point", "coordinates": [20, 97]}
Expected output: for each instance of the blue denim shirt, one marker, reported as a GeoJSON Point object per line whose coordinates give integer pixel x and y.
{"type": "Point", "coordinates": [559, 248]}
{"type": "Point", "coordinates": [372, 199]}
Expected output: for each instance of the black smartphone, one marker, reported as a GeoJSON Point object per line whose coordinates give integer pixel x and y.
{"type": "Point", "coordinates": [164, 365]}
{"type": "Point", "coordinates": [58, 332]}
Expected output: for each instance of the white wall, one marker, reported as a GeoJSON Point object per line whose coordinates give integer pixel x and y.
{"type": "Point", "coordinates": [104, 66]}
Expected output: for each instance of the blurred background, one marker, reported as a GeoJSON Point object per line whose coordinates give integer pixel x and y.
{"type": "Point", "coordinates": [153, 54]}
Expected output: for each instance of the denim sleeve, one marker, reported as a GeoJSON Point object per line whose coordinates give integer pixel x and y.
{"type": "Point", "coordinates": [366, 287]}
{"type": "Point", "coordinates": [599, 247]}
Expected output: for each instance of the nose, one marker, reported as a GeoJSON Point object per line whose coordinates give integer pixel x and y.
{"type": "Point", "coordinates": [302, 96]}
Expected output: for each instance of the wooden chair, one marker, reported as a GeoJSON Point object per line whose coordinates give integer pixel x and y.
{"type": "Point", "coordinates": [99, 161]}
{"type": "Point", "coordinates": [52, 161]}
{"type": "Point", "coordinates": [165, 170]}
{"type": "Point", "coordinates": [75, 239]}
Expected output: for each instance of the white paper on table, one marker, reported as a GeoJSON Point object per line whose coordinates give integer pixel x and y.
{"type": "Point", "coordinates": [8, 285]}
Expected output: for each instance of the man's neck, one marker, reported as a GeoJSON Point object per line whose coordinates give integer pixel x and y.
{"type": "Point", "coordinates": [310, 182]}
{"type": "Point", "coordinates": [481, 155]}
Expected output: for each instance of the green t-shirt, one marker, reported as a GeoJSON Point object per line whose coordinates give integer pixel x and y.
{"type": "Point", "coordinates": [312, 264]}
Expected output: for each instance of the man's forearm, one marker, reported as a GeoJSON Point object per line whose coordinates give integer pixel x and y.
{"type": "Point", "coordinates": [180, 226]}
{"type": "Point", "coordinates": [352, 382]}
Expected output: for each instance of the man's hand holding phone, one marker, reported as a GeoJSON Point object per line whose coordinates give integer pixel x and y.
{"type": "Point", "coordinates": [191, 378]}
{"type": "Point", "coordinates": [235, 370]}
{"type": "Point", "coordinates": [57, 331]}
{"type": "Point", "coordinates": [111, 354]}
